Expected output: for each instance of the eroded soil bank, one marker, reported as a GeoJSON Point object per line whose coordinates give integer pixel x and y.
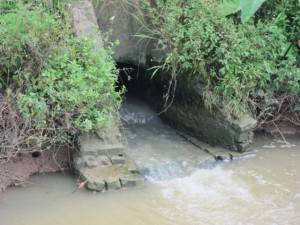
{"type": "Point", "coordinates": [17, 170]}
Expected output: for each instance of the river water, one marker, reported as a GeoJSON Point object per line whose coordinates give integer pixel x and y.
{"type": "Point", "coordinates": [184, 185]}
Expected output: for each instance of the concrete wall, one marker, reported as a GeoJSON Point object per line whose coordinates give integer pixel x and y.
{"type": "Point", "coordinates": [122, 20]}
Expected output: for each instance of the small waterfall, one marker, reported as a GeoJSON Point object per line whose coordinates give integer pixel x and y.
{"type": "Point", "coordinates": [158, 150]}
{"type": "Point", "coordinates": [175, 169]}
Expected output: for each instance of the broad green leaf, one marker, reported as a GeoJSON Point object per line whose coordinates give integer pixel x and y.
{"type": "Point", "coordinates": [229, 7]}
{"type": "Point", "coordinates": [249, 7]}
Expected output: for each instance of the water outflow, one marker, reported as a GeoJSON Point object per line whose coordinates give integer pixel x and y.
{"type": "Point", "coordinates": [185, 186]}
{"type": "Point", "coordinates": [158, 150]}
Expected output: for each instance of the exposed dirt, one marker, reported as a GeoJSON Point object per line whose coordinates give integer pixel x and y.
{"type": "Point", "coordinates": [282, 128]}
{"type": "Point", "coordinates": [20, 153]}
{"type": "Point", "coordinates": [283, 124]}
{"type": "Point", "coordinates": [17, 170]}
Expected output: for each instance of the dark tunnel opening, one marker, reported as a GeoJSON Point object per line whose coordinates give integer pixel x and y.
{"type": "Point", "coordinates": [131, 78]}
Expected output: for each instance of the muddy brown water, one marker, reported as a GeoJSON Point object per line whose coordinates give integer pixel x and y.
{"type": "Point", "coordinates": [262, 188]}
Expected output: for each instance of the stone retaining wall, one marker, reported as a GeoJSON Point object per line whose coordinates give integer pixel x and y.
{"type": "Point", "coordinates": [101, 162]}
{"type": "Point", "coordinates": [103, 165]}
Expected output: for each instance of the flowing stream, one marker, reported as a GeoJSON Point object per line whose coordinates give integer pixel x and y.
{"type": "Point", "coordinates": [184, 186]}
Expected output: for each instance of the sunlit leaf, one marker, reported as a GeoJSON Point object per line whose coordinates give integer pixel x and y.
{"type": "Point", "coordinates": [249, 7]}
{"type": "Point", "coordinates": [229, 7]}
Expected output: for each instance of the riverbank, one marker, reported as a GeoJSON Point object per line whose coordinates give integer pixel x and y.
{"type": "Point", "coordinates": [17, 170]}
{"type": "Point", "coordinates": [262, 189]}
{"type": "Point", "coordinates": [146, 135]}
{"type": "Point", "coordinates": [212, 76]}
{"type": "Point", "coordinates": [54, 86]}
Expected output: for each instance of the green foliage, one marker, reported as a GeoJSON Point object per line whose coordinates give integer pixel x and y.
{"type": "Point", "coordinates": [76, 89]}
{"type": "Point", "coordinates": [53, 6]}
{"type": "Point", "coordinates": [7, 5]}
{"type": "Point", "coordinates": [26, 38]}
{"type": "Point", "coordinates": [247, 8]}
{"type": "Point", "coordinates": [63, 85]}
{"type": "Point", "coordinates": [228, 7]}
{"type": "Point", "coordinates": [236, 62]}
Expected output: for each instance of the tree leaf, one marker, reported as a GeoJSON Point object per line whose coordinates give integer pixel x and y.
{"type": "Point", "coordinates": [249, 7]}
{"type": "Point", "coordinates": [229, 7]}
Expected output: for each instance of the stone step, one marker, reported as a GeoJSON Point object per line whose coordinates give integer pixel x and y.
{"type": "Point", "coordinates": [91, 144]}
{"type": "Point", "coordinates": [101, 161]}
{"type": "Point", "coordinates": [217, 153]}
{"type": "Point", "coordinates": [91, 161]}
{"type": "Point", "coordinates": [132, 180]}
{"type": "Point", "coordinates": [102, 172]}
{"type": "Point", "coordinates": [110, 178]}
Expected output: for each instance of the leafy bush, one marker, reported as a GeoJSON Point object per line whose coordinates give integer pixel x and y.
{"type": "Point", "coordinates": [76, 89]}
{"type": "Point", "coordinates": [7, 5]}
{"type": "Point", "coordinates": [26, 39]}
{"type": "Point", "coordinates": [53, 6]}
{"type": "Point", "coordinates": [58, 85]}
{"type": "Point", "coordinates": [237, 62]}
{"type": "Point", "coordinates": [247, 7]}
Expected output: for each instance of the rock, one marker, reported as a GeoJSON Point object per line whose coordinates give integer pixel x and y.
{"type": "Point", "coordinates": [108, 177]}
{"type": "Point", "coordinates": [112, 183]}
{"type": "Point", "coordinates": [102, 166]}
{"type": "Point", "coordinates": [90, 161]}
{"type": "Point", "coordinates": [244, 123]}
{"type": "Point", "coordinates": [93, 182]}
{"type": "Point", "coordinates": [132, 181]}
{"type": "Point", "coordinates": [118, 159]}
{"type": "Point", "coordinates": [96, 185]}
{"type": "Point", "coordinates": [103, 161]}
{"type": "Point", "coordinates": [91, 144]}
{"type": "Point", "coordinates": [110, 135]}
{"type": "Point", "coordinates": [132, 167]}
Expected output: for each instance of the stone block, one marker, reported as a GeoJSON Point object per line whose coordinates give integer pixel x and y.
{"type": "Point", "coordinates": [118, 159]}
{"type": "Point", "coordinates": [91, 161]}
{"type": "Point", "coordinates": [96, 185]}
{"type": "Point", "coordinates": [245, 123]}
{"type": "Point", "coordinates": [112, 183]}
{"type": "Point", "coordinates": [132, 167]}
{"type": "Point", "coordinates": [91, 144]}
{"type": "Point", "coordinates": [93, 182]}
{"type": "Point", "coordinates": [94, 161]}
{"type": "Point", "coordinates": [132, 181]}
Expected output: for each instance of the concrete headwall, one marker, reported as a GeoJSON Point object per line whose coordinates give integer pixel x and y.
{"type": "Point", "coordinates": [101, 162]}
{"type": "Point", "coordinates": [122, 20]}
